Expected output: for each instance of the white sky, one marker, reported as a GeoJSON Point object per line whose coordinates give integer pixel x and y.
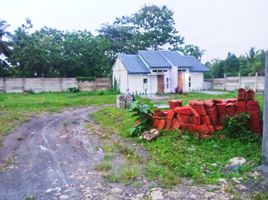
{"type": "Point", "coordinates": [217, 26]}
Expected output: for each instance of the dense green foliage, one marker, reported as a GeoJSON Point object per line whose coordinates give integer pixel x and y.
{"type": "Point", "coordinates": [50, 52]}
{"type": "Point", "coordinates": [142, 112]}
{"type": "Point", "coordinates": [246, 65]}
{"type": "Point", "coordinates": [152, 27]}
{"type": "Point", "coordinates": [237, 126]}
{"type": "Point", "coordinates": [4, 48]}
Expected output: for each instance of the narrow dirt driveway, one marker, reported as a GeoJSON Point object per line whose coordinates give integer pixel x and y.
{"type": "Point", "coordinates": [54, 157]}
{"type": "Point", "coordinates": [42, 154]}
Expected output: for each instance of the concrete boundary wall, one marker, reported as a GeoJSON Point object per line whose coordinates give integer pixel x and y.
{"type": "Point", "coordinates": [232, 83]}
{"type": "Point", "coordinates": [18, 85]}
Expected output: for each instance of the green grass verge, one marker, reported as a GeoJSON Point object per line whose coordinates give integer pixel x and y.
{"type": "Point", "coordinates": [15, 108]}
{"type": "Point", "coordinates": [176, 155]}
{"type": "Point", "coordinates": [104, 166]}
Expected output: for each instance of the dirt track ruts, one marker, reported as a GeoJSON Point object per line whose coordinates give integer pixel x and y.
{"type": "Point", "coordinates": [43, 153]}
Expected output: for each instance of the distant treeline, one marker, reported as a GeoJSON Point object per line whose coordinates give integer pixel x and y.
{"type": "Point", "coordinates": [50, 52]}
{"type": "Point", "coordinates": [53, 53]}
{"type": "Point", "coordinates": [246, 65]}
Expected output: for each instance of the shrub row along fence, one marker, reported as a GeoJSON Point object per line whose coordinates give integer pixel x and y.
{"type": "Point", "coordinates": [19, 85]}
{"type": "Point", "coordinates": [232, 83]}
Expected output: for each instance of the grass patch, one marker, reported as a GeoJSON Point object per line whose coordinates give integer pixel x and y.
{"type": "Point", "coordinates": [130, 154]}
{"type": "Point", "coordinates": [115, 120]}
{"type": "Point", "coordinates": [16, 108]}
{"type": "Point", "coordinates": [104, 166]}
{"type": "Point", "coordinates": [108, 157]}
{"type": "Point", "coordinates": [175, 155]}
{"type": "Point", "coordinates": [109, 148]}
{"type": "Point", "coordinates": [126, 174]}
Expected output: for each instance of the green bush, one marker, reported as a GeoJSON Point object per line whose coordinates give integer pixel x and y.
{"type": "Point", "coordinates": [85, 78]}
{"type": "Point", "coordinates": [142, 112]}
{"type": "Point", "coordinates": [73, 90]}
{"type": "Point", "coordinates": [237, 126]}
{"type": "Point", "coordinates": [30, 91]}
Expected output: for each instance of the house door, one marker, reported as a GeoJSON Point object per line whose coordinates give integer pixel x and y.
{"type": "Point", "coordinates": [160, 84]}
{"type": "Point", "coordinates": [180, 82]}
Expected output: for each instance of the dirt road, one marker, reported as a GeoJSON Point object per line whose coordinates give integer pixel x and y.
{"type": "Point", "coordinates": [42, 154]}
{"type": "Point", "coordinates": [54, 156]}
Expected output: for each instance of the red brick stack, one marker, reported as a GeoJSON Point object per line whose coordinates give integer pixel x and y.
{"type": "Point", "coordinates": [207, 116]}
{"type": "Point", "coordinates": [253, 108]}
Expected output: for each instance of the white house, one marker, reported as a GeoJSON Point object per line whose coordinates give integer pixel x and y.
{"type": "Point", "coordinates": [153, 72]}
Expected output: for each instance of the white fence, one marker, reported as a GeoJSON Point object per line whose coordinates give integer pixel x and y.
{"type": "Point", "coordinates": [51, 84]}
{"type": "Point", "coordinates": [233, 83]}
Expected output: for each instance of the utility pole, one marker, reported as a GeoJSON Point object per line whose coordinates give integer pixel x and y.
{"type": "Point", "coordinates": [264, 167]}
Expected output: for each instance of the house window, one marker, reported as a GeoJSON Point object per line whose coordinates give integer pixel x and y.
{"type": "Point", "coordinates": [181, 70]}
{"type": "Point", "coordinates": [159, 70]}
{"type": "Point", "coordinates": [167, 84]}
{"type": "Point", "coordinates": [190, 81]}
{"type": "Point", "coordinates": [145, 80]}
{"type": "Point", "coordinates": [145, 84]}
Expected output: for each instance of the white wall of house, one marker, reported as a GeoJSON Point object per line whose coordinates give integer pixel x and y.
{"type": "Point", "coordinates": [197, 80]}
{"type": "Point", "coordinates": [186, 81]}
{"type": "Point", "coordinates": [173, 78]}
{"type": "Point", "coordinates": [136, 83]}
{"type": "Point", "coordinates": [153, 84]}
{"type": "Point", "coordinates": [120, 75]}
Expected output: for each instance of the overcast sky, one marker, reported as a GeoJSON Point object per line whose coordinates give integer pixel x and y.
{"type": "Point", "coordinates": [217, 26]}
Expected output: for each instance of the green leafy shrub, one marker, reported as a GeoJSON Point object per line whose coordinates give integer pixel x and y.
{"type": "Point", "coordinates": [142, 112]}
{"type": "Point", "coordinates": [85, 78]}
{"type": "Point", "coordinates": [73, 90]}
{"type": "Point", "coordinates": [30, 91]}
{"type": "Point", "coordinates": [237, 126]}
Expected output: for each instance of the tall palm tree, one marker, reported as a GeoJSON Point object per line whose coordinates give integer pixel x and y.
{"type": "Point", "coordinates": [4, 47]}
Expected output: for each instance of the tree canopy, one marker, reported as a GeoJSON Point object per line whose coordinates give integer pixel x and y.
{"type": "Point", "coordinates": [151, 27]}
{"type": "Point", "coordinates": [49, 52]}
{"type": "Point", "coordinates": [247, 64]}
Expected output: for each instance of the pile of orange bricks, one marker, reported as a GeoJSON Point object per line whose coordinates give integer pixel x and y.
{"type": "Point", "coordinates": [206, 117]}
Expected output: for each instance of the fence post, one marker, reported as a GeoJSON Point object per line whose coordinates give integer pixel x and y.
{"type": "Point", "coordinates": [23, 84]}
{"type": "Point", "coordinates": [61, 87]}
{"type": "Point", "coordinates": [256, 82]}
{"type": "Point", "coordinates": [96, 84]}
{"type": "Point", "coordinates": [4, 84]}
{"type": "Point", "coordinates": [239, 76]}
{"type": "Point", "coordinates": [212, 83]}
{"type": "Point", "coordinates": [224, 87]}
{"type": "Point", "coordinates": [43, 84]}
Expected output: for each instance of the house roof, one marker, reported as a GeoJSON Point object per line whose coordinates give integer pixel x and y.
{"type": "Point", "coordinates": [140, 63]}
{"type": "Point", "coordinates": [134, 64]}
{"type": "Point", "coordinates": [154, 59]}
{"type": "Point", "coordinates": [197, 66]}
{"type": "Point", "coordinates": [176, 59]}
